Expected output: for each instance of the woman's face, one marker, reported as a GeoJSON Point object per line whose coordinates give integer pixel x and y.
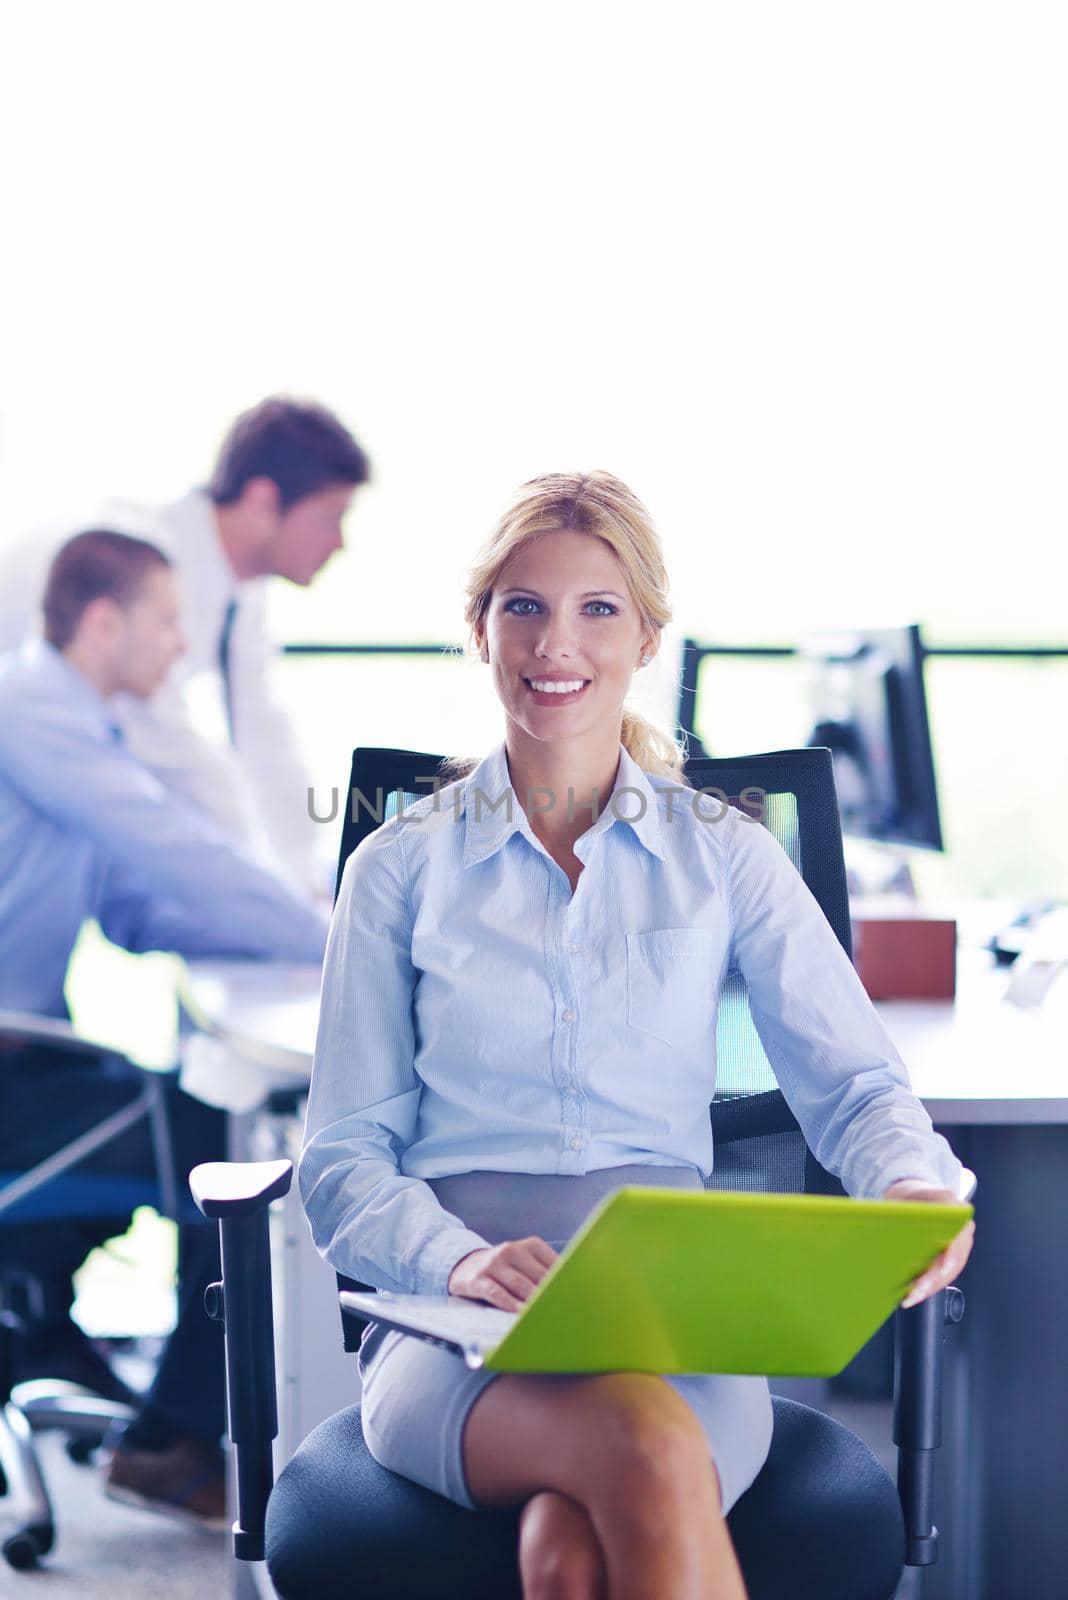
{"type": "Point", "coordinates": [563, 636]}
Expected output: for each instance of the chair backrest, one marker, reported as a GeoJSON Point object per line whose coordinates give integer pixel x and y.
{"type": "Point", "coordinates": [756, 1140]}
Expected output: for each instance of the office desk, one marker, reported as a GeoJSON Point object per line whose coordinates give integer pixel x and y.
{"type": "Point", "coordinates": [995, 1078]}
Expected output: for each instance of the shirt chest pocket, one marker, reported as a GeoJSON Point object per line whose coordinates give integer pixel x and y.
{"type": "Point", "coordinates": [671, 979]}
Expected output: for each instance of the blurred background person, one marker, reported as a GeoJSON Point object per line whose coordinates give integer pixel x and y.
{"type": "Point", "coordinates": [283, 481]}
{"type": "Point", "coordinates": [87, 830]}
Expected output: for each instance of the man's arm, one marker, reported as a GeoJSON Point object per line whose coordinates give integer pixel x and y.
{"type": "Point", "coordinates": [65, 771]}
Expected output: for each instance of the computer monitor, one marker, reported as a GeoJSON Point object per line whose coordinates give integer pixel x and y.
{"type": "Point", "coordinates": [870, 709]}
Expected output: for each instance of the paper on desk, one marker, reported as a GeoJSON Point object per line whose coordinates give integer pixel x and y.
{"type": "Point", "coordinates": [213, 1072]}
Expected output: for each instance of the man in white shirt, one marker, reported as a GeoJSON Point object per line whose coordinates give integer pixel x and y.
{"type": "Point", "coordinates": [282, 483]}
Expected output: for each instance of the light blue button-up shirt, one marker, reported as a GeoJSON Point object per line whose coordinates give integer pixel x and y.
{"type": "Point", "coordinates": [87, 831]}
{"type": "Point", "coordinates": [479, 1016]}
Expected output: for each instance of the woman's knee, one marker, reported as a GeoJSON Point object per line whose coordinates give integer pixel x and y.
{"type": "Point", "coordinates": [652, 1443]}
{"type": "Point", "coordinates": [619, 1437]}
{"type": "Point", "coordinates": [560, 1556]}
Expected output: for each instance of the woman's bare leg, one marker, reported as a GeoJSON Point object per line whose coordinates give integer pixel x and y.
{"type": "Point", "coordinates": [560, 1556]}
{"type": "Point", "coordinates": [627, 1449]}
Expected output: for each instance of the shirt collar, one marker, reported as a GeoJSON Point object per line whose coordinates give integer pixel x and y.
{"type": "Point", "coordinates": [194, 514]}
{"type": "Point", "coordinates": [492, 810]}
{"type": "Point", "coordinates": [50, 667]}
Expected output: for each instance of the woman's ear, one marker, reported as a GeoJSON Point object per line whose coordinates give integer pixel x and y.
{"type": "Point", "coordinates": [480, 644]}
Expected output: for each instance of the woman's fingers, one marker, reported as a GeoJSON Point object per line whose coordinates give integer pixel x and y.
{"type": "Point", "coordinates": [506, 1274]}
{"type": "Point", "coordinates": [521, 1264]}
{"type": "Point", "coordinates": [543, 1252]}
{"type": "Point", "coordinates": [943, 1270]}
{"type": "Point", "coordinates": [951, 1263]}
{"type": "Point", "coordinates": [488, 1289]}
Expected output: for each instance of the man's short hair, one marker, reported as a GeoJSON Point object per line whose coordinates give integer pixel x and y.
{"type": "Point", "coordinates": [97, 564]}
{"type": "Point", "coordinates": [300, 446]}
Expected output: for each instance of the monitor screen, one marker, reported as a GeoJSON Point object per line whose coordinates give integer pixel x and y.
{"type": "Point", "coordinates": [869, 707]}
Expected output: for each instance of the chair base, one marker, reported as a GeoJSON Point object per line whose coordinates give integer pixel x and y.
{"type": "Point", "coordinates": [34, 1532]}
{"type": "Point", "coordinates": [33, 1407]}
{"type": "Point", "coordinates": [821, 1522]}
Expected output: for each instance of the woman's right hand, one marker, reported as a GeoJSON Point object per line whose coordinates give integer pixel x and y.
{"type": "Point", "coordinates": [505, 1274]}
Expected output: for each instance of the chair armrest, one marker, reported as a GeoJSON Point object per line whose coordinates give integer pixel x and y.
{"type": "Point", "coordinates": [239, 1188]}
{"type": "Point", "coordinates": [21, 1028]}
{"type": "Point", "coordinates": [918, 1347]}
{"type": "Point", "coordinates": [238, 1193]}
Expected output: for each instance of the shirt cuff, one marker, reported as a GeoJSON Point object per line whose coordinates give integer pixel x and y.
{"type": "Point", "coordinates": [940, 1174]}
{"type": "Point", "coordinates": [440, 1254]}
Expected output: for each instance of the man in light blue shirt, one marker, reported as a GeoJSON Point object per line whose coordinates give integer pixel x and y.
{"type": "Point", "coordinates": [86, 831]}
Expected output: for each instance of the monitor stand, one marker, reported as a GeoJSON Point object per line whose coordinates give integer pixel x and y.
{"type": "Point", "coordinates": [876, 869]}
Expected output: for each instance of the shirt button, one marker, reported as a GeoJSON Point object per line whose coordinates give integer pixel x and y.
{"type": "Point", "coordinates": [569, 1016]}
{"type": "Point", "coordinates": [574, 948]}
{"type": "Point", "coordinates": [576, 1143]}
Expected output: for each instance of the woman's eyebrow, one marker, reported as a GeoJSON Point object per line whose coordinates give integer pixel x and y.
{"type": "Point", "coordinates": [591, 594]}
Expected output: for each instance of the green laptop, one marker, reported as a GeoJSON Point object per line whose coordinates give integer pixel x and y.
{"type": "Point", "coordinates": [668, 1280]}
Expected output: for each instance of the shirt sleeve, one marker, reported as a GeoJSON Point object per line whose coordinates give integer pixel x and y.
{"type": "Point", "coordinates": [368, 1220]}
{"type": "Point", "coordinates": [833, 1059]}
{"type": "Point", "coordinates": [134, 913]}
{"type": "Point", "coordinates": [203, 892]}
{"type": "Point", "coordinates": [159, 733]}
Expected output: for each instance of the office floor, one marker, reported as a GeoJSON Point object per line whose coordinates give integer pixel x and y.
{"type": "Point", "coordinates": [106, 1551]}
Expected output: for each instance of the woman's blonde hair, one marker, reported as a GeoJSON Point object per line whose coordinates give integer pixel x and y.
{"type": "Point", "coordinates": [596, 503]}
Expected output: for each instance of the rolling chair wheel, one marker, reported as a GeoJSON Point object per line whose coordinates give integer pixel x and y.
{"type": "Point", "coordinates": [23, 1550]}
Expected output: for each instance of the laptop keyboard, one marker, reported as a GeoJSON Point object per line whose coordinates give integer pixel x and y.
{"type": "Point", "coordinates": [449, 1317]}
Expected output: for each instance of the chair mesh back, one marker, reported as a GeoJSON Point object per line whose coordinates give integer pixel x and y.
{"type": "Point", "coordinates": [743, 1068]}
{"type": "Point", "coordinates": [757, 1143]}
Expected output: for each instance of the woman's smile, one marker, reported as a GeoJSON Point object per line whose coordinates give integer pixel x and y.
{"type": "Point", "coordinates": [551, 689]}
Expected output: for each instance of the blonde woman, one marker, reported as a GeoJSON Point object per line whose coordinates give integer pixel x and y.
{"type": "Point", "coordinates": [519, 1010]}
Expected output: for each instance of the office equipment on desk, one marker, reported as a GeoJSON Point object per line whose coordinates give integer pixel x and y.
{"type": "Point", "coordinates": [903, 950]}
{"type": "Point", "coordinates": [1043, 958]}
{"type": "Point", "coordinates": [668, 1281]}
{"type": "Point", "coordinates": [864, 700]}
{"type": "Point", "coordinates": [1012, 935]}
{"type": "Point", "coordinates": [870, 710]}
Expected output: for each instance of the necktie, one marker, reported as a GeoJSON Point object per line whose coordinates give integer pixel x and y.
{"type": "Point", "coordinates": [224, 664]}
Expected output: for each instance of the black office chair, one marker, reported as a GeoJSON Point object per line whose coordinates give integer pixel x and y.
{"type": "Point", "coordinates": [59, 1188]}
{"type": "Point", "coordinates": [821, 1520]}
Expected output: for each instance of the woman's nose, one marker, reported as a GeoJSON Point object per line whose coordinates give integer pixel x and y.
{"type": "Point", "coordinates": [557, 639]}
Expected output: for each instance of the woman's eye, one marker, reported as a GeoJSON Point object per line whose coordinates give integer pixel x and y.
{"type": "Point", "coordinates": [517, 607]}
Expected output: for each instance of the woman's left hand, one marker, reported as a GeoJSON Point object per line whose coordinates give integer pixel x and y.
{"type": "Point", "coordinates": [947, 1267]}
